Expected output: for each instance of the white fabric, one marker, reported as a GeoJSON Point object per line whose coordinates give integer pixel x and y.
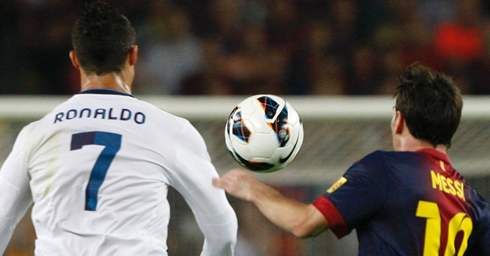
{"type": "Point", "coordinates": [157, 150]}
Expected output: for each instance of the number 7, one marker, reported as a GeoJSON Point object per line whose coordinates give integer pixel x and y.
{"type": "Point", "coordinates": [112, 143]}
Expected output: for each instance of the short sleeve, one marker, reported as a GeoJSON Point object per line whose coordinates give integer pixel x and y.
{"type": "Point", "coordinates": [359, 193]}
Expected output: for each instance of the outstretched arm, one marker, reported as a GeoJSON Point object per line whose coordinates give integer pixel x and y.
{"type": "Point", "coordinates": [212, 211]}
{"type": "Point", "coordinates": [302, 220]}
{"type": "Point", "coordinates": [15, 193]}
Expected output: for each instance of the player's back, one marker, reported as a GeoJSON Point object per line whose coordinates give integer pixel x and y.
{"type": "Point", "coordinates": [408, 203]}
{"type": "Point", "coordinates": [99, 167]}
{"type": "Point", "coordinates": [426, 207]}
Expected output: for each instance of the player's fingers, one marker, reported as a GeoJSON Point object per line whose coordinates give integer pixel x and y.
{"type": "Point", "coordinates": [224, 182]}
{"type": "Point", "coordinates": [230, 176]}
{"type": "Point", "coordinates": [236, 172]}
{"type": "Point", "coordinates": [235, 182]}
{"type": "Point", "coordinates": [216, 182]}
{"type": "Point", "coordinates": [236, 175]}
{"type": "Point", "coordinates": [220, 183]}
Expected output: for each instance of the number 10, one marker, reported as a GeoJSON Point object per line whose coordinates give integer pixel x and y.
{"type": "Point", "coordinates": [432, 242]}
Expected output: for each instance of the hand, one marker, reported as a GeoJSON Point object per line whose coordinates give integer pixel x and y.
{"type": "Point", "coordinates": [302, 220]}
{"type": "Point", "coordinates": [239, 184]}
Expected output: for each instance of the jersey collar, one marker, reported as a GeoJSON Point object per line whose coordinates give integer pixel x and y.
{"type": "Point", "coordinates": [105, 91]}
{"type": "Point", "coordinates": [436, 154]}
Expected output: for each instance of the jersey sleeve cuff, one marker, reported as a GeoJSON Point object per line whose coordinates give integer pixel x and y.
{"type": "Point", "coordinates": [332, 215]}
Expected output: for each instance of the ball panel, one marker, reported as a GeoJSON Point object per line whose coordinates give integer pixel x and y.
{"type": "Point", "coordinates": [269, 106]}
{"type": "Point", "coordinates": [239, 127]}
{"type": "Point", "coordinates": [281, 127]}
{"type": "Point", "coordinates": [254, 166]}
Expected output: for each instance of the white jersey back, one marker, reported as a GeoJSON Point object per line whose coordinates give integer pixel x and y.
{"type": "Point", "coordinates": [99, 166]}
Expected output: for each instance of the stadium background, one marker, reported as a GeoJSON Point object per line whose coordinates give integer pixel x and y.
{"type": "Point", "coordinates": [333, 59]}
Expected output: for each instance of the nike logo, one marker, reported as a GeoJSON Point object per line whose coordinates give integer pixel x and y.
{"type": "Point", "coordinates": [254, 166]}
{"type": "Point", "coordinates": [283, 160]}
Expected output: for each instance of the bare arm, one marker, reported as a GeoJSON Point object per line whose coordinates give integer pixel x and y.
{"type": "Point", "coordinates": [302, 220]}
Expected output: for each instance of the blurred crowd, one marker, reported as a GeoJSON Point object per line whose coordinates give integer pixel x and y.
{"type": "Point", "coordinates": [234, 47]}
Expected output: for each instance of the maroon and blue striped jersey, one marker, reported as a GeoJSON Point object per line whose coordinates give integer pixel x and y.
{"type": "Point", "coordinates": [408, 203]}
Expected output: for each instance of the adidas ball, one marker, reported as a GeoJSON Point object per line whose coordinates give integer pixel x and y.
{"type": "Point", "coordinates": [264, 133]}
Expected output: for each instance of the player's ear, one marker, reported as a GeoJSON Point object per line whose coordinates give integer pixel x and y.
{"type": "Point", "coordinates": [399, 122]}
{"type": "Point", "coordinates": [133, 55]}
{"type": "Point", "coordinates": [74, 60]}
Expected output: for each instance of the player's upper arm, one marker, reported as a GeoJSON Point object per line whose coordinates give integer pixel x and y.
{"type": "Point", "coordinates": [193, 169]}
{"type": "Point", "coordinates": [194, 173]}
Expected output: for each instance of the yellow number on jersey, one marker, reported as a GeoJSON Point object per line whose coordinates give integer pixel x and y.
{"type": "Point", "coordinates": [432, 242]}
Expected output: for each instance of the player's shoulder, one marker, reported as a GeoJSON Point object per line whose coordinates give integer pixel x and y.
{"type": "Point", "coordinates": [379, 156]}
{"type": "Point", "coordinates": [370, 163]}
{"type": "Point", "coordinates": [386, 156]}
{"type": "Point", "coordinates": [164, 117]}
{"type": "Point", "coordinates": [381, 161]}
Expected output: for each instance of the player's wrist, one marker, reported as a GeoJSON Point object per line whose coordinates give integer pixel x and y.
{"type": "Point", "coordinates": [262, 192]}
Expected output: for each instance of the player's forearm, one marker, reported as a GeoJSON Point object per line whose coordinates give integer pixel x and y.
{"type": "Point", "coordinates": [220, 233]}
{"type": "Point", "coordinates": [5, 234]}
{"type": "Point", "coordinates": [15, 199]}
{"type": "Point", "coordinates": [224, 247]}
{"type": "Point", "coordinates": [7, 219]}
{"type": "Point", "coordinates": [298, 218]}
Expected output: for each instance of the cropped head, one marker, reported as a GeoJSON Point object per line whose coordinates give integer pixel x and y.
{"type": "Point", "coordinates": [101, 38]}
{"type": "Point", "coordinates": [430, 103]}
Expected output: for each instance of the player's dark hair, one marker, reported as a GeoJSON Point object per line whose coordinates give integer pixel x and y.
{"type": "Point", "coordinates": [430, 103]}
{"type": "Point", "coordinates": [102, 37]}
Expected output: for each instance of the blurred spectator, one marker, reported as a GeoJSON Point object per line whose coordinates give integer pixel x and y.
{"type": "Point", "coordinates": [460, 42]}
{"type": "Point", "coordinates": [363, 76]}
{"type": "Point", "coordinates": [479, 79]}
{"type": "Point", "coordinates": [221, 42]}
{"type": "Point", "coordinates": [324, 74]}
{"type": "Point", "coordinates": [285, 39]}
{"type": "Point", "coordinates": [239, 55]}
{"type": "Point", "coordinates": [417, 45]}
{"type": "Point", "coordinates": [169, 53]}
{"type": "Point", "coordinates": [435, 12]}
{"type": "Point", "coordinates": [10, 13]}
{"type": "Point", "coordinates": [217, 47]}
{"type": "Point", "coordinates": [44, 40]}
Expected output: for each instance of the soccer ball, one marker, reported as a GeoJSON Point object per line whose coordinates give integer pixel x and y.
{"type": "Point", "coordinates": [264, 133]}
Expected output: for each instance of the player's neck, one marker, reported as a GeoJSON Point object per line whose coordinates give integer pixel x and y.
{"type": "Point", "coordinates": [413, 144]}
{"type": "Point", "coordinates": [112, 81]}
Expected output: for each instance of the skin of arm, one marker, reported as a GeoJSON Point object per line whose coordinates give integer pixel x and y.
{"type": "Point", "coordinates": [302, 220]}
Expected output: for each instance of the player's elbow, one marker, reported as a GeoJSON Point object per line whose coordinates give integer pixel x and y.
{"type": "Point", "coordinates": [310, 225]}
{"type": "Point", "coordinates": [306, 232]}
{"type": "Point", "coordinates": [220, 245]}
{"type": "Point", "coordinates": [227, 248]}
{"type": "Point", "coordinates": [301, 233]}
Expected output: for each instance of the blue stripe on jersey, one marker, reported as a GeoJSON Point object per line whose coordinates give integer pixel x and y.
{"type": "Point", "coordinates": [112, 144]}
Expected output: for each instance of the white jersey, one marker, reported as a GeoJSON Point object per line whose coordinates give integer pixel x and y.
{"type": "Point", "coordinates": [98, 168]}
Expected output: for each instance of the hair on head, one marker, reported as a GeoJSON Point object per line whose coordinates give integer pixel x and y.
{"type": "Point", "coordinates": [102, 37]}
{"type": "Point", "coordinates": [430, 103]}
